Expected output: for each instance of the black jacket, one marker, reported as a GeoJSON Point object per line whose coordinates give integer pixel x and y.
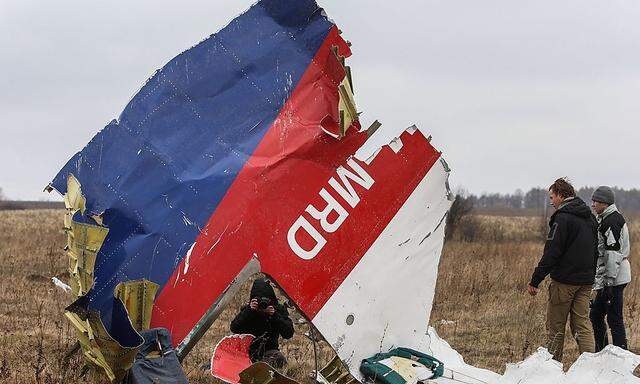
{"type": "Point", "coordinates": [614, 222]}
{"type": "Point", "coordinates": [266, 329]}
{"type": "Point", "coordinates": [571, 250]}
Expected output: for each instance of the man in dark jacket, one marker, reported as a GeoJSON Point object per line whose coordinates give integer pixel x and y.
{"type": "Point", "coordinates": [266, 319]}
{"type": "Point", "coordinates": [570, 255]}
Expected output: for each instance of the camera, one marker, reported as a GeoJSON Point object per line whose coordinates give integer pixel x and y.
{"type": "Point", "coordinates": [263, 303]}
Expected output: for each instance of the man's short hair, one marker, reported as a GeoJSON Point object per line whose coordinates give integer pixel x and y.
{"type": "Point", "coordinates": [563, 188]}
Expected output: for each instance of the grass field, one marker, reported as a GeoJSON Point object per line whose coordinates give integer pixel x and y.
{"type": "Point", "coordinates": [480, 307]}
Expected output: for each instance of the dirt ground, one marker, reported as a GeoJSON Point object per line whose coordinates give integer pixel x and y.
{"type": "Point", "coordinates": [480, 307]}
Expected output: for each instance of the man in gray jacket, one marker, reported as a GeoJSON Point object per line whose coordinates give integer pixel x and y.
{"type": "Point", "coordinates": [613, 271]}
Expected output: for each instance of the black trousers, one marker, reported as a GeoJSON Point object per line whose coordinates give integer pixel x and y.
{"type": "Point", "coordinates": [609, 303]}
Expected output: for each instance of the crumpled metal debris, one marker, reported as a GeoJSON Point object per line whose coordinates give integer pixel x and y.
{"type": "Point", "coordinates": [245, 154]}
{"type": "Point", "coordinates": [250, 98]}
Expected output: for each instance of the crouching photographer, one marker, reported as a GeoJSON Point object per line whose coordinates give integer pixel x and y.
{"type": "Point", "coordinates": [266, 319]}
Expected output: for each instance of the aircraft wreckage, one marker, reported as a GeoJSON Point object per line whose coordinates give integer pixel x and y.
{"type": "Point", "coordinates": [245, 154]}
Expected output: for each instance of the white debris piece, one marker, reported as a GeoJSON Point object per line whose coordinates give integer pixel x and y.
{"type": "Point", "coordinates": [455, 369]}
{"type": "Point", "coordinates": [61, 285]}
{"type": "Point", "coordinates": [612, 365]}
{"type": "Point", "coordinates": [537, 368]}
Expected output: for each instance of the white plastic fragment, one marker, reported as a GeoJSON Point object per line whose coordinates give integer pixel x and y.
{"type": "Point", "coordinates": [456, 370]}
{"type": "Point", "coordinates": [58, 283]}
{"type": "Point", "coordinates": [382, 137]}
{"type": "Point", "coordinates": [612, 365]}
{"type": "Point", "coordinates": [396, 145]}
{"type": "Point", "coordinates": [537, 368]}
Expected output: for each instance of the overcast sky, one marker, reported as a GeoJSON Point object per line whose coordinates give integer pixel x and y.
{"type": "Point", "coordinates": [515, 93]}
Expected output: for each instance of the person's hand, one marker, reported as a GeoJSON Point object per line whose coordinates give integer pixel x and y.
{"type": "Point", "coordinates": [270, 310]}
{"type": "Point", "coordinates": [532, 290]}
{"type": "Point", "coordinates": [253, 304]}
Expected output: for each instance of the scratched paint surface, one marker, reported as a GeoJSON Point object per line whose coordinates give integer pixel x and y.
{"type": "Point", "coordinates": [230, 357]}
{"type": "Point", "coordinates": [385, 301]}
{"type": "Point", "coordinates": [157, 173]}
{"type": "Point", "coordinates": [223, 159]}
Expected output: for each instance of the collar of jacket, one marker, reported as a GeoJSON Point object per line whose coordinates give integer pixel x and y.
{"type": "Point", "coordinates": [565, 202]}
{"type": "Point", "coordinates": [574, 206]}
{"type": "Point", "coordinates": [609, 210]}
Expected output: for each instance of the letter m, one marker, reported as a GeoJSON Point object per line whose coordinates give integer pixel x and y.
{"type": "Point", "coordinates": [348, 192]}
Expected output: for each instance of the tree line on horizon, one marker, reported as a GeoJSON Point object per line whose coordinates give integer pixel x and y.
{"type": "Point", "coordinates": [537, 199]}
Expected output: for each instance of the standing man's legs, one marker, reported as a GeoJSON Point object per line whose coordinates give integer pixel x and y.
{"type": "Point", "coordinates": [597, 314]}
{"type": "Point", "coordinates": [558, 307]}
{"type": "Point", "coordinates": [579, 322]}
{"type": "Point", "coordinates": [615, 317]}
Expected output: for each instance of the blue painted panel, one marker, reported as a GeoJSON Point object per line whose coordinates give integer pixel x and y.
{"type": "Point", "coordinates": [157, 174]}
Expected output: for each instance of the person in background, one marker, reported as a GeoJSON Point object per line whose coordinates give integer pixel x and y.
{"type": "Point", "coordinates": [613, 271]}
{"type": "Point", "coordinates": [266, 319]}
{"type": "Point", "coordinates": [570, 258]}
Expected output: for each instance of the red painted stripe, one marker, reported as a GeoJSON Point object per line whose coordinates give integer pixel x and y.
{"type": "Point", "coordinates": [290, 166]}
{"type": "Point", "coordinates": [310, 283]}
{"type": "Point", "coordinates": [231, 357]}
{"type": "Point", "coordinates": [293, 141]}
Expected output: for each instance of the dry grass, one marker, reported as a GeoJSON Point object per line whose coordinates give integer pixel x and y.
{"type": "Point", "coordinates": [481, 288]}
{"type": "Point", "coordinates": [35, 335]}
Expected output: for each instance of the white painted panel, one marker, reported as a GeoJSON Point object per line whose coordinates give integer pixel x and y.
{"type": "Point", "coordinates": [389, 293]}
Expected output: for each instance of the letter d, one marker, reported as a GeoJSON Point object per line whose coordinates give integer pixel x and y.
{"type": "Point", "coordinates": [293, 243]}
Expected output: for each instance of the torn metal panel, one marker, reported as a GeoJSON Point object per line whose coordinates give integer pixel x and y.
{"type": "Point", "coordinates": [335, 372]}
{"type": "Point", "coordinates": [373, 128]}
{"type": "Point", "coordinates": [137, 296]}
{"type": "Point", "coordinates": [98, 347]}
{"type": "Point", "coordinates": [331, 238]}
{"type": "Point", "coordinates": [347, 104]}
{"type": "Point", "coordinates": [73, 199]}
{"type": "Point", "coordinates": [230, 357]}
{"type": "Point", "coordinates": [263, 373]}
{"type": "Point", "coordinates": [84, 239]}
{"type": "Point", "coordinates": [386, 298]}
{"type": "Point", "coordinates": [181, 175]}
{"type": "Point", "coordinates": [226, 162]}
{"type": "Point", "coordinates": [83, 242]}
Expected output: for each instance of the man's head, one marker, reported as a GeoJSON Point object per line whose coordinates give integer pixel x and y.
{"type": "Point", "coordinates": [602, 197]}
{"type": "Point", "coordinates": [559, 191]}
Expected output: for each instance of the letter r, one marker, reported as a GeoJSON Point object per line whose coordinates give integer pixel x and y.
{"type": "Point", "coordinates": [323, 216]}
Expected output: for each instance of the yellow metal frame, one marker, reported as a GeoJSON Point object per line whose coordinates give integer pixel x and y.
{"type": "Point", "coordinates": [83, 244]}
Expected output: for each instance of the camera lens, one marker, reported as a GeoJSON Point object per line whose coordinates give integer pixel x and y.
{"type": "Point", "coordinates": [263, 303]}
